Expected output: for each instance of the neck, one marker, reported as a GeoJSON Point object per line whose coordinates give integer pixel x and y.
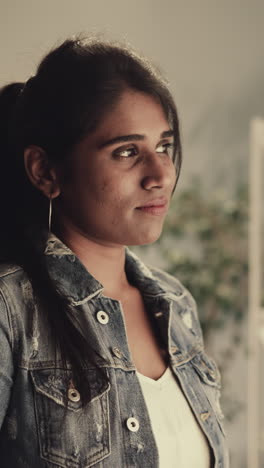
{"type": "Point", "coordinates": [106, 263]}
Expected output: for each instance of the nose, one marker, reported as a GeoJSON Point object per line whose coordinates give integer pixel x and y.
{"type": "Point", "coordinates": [159, 172]}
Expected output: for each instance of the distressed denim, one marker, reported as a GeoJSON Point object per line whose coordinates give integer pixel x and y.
{"type": "Point", "coordinates": [39, 429]}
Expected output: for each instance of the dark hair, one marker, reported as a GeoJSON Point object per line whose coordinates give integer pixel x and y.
{"type": "Point", "coordinates": [75, 85]}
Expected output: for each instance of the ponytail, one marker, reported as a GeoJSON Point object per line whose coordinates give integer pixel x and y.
{"type": "Point", "coordinates": [9, 180]}
{"type": "Point", "coordinates": [23, 237]}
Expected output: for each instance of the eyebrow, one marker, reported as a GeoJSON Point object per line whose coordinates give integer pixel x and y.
{"type": "Point", "coordinates": [132, 137]}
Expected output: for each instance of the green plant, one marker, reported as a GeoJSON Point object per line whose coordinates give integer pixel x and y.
{"type": "Point", "coordinates": [205, 243]}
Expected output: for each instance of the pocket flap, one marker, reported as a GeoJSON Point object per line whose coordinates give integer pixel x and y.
{"type": "Point", "coordinates": [54, 384]}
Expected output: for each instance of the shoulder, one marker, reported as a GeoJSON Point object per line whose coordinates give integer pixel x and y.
{"type": "Point", "coordinates": [185, 304]}
{"type": "Point", "coordinates": [171, 285]}
{"type": "Point", "coordinates": [14, 283]}
{"type": "Point", "coordinates": [167, 281]}
{"type": "Point", "coordinates": [9, 269]}
{"type": "Point", "coordinates": [12, 277]}
{"type": "Point", "coordinates": [8, 280]}
{"type": "Point", "coordinates": [16, 298]}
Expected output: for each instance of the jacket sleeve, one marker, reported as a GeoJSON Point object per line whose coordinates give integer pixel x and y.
{"type": "Point", "coordinates": [6, 358]}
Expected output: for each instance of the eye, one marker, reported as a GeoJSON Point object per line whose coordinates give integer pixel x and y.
{"type": "Point", "coordinates": [127, 152]}
{"type": "Point", "coordinates": [166, 148]}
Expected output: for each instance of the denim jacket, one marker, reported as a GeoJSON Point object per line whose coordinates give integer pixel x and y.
{"type": "Point", "coordinates": [38, 428]}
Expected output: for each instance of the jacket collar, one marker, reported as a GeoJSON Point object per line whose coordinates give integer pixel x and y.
{"type": "Point", "coordinates": [75, 282]}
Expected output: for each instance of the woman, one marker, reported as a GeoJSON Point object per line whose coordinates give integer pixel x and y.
{"type": "Point", "coordinates": [102, 359]}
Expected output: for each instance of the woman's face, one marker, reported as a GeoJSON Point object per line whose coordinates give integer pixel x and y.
{"type": "Point", "coordinates": [122, 176]}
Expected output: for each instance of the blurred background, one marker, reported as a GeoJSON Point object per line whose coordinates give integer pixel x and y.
{"type": "Point", "coordinates": [212, 55]}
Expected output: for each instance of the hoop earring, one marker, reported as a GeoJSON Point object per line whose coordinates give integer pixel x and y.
{"type": "Point", "coordinates": [50, 213]}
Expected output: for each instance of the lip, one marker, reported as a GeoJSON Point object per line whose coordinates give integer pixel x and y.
{"type": "Point", "coordinates": [156, 207]}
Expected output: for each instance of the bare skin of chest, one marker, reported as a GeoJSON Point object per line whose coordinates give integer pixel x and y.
{"type": "Point", "coordinates": [147, 355]}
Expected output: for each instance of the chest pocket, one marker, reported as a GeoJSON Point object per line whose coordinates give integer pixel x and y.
{"type": "Point", "coordinates": [209, 375]}
{"type": "Point", "coordinates": [69, 435]}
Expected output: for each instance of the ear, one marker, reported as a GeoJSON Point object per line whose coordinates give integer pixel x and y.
{"type": "Point", "coordinates": [40, 172]}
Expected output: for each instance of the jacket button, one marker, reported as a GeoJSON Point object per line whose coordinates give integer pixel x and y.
{"type": "Point", "coordinates": [73, 394]}
{"type": "Point", "coordinates": [132, 424]}
{"type": "Point", "coordinates": [116, 352]}
{"type": "Point", "coordinates": [102, 317]}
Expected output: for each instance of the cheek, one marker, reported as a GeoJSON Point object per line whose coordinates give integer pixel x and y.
{"type": "Point", "coordinates": [113, 192]}
{"type": "Point", "coordinates": [106, 185]}
{"type": "Point", "coordinates": [111, 201]}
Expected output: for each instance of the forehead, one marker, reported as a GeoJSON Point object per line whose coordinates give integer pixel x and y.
{"type": "Point", "coordinates": [134, 112]}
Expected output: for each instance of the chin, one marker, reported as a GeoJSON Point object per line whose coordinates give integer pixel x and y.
{"type": "Point", "coordinates": [146, 238]}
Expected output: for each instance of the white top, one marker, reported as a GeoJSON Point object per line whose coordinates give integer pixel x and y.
{"type": "Point", "coordinates": [179, 438]}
